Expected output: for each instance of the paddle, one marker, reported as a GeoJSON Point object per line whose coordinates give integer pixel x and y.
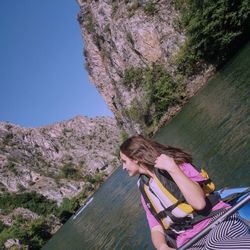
{"type": "Point", "coordinates": [215, 223]}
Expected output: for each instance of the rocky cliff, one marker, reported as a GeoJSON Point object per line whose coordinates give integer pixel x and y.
{"type": "Point", "coordinates": [126, 39]}
{"type": "Point", "coordinates": [47, 173]}
{"type": "Point", "coordinates": [54, 160]}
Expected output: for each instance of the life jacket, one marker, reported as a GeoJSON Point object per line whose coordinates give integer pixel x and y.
{"type": "Point", "coordinates": [168, 205]}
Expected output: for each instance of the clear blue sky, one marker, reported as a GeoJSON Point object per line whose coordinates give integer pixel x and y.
{"type": "Point", "coordinates": [42, 74]}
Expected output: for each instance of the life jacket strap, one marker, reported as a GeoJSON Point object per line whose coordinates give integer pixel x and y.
{"type": "Point", "coordinates": [177, 220]}
{"type": "Point", "coordinates": [171, 235]}
{"type": "Point", "coordinates": [171, 238]}
{"type": "Point", "coordinates": [211, 201]}
{"type": "Point", "coordinates": [168, 212]}
{"type": "Point", "coordinates": [199, 218]}
{"type": "Point", "coordinates": [204, 182]}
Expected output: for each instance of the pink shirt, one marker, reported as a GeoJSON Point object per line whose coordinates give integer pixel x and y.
{"type": "Point", "coordinates": [194, 175]}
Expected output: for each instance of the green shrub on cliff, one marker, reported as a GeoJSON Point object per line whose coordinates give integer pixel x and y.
{"type": "Point", "coordinates": [2, 226]}
{"type": "Point", "coordinates": [133, 77]}
{"type": "Point", "coordinates": [35, 202]}
{"type": "Point", "coordinates": [150, 8]}
{"type": "Point", "coordinates": [7, 139]}
{"type": "Point", "coordinates": [96, 178]}
{"type": "Point", "coordinates": [214, 30]}
{"type": "Point", "coordinates": [161, 90]}
{"type": "Point", "coordinates": [89, 23]}
{"type": "Point", "coordinates": [70, 172]}
{"type": "Point", "coordinates": [133, 7]}
{"type": "Point", "coordinates": [34, 233]}
{"type": "Point", "coordinates": [67, 208]}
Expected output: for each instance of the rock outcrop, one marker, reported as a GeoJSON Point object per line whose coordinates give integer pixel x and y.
{"type": "Point", "coordinates": [119, 35]}
{"type": "Point", "coordinates": [53, 160]}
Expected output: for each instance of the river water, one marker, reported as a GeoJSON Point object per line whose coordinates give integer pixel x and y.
{"type": "Point", "coordinates": [214, 126]}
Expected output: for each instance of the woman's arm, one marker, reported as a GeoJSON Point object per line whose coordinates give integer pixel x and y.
{"type": "Point", "coordinates": [191, 190]}
{"type": "Point", "coordinates": [158, 238]}
{"type": "Point", "coordinates": [157, 232]}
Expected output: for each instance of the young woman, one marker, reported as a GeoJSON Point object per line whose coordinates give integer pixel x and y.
{"type": "Point", "coordinates": [178, 198]}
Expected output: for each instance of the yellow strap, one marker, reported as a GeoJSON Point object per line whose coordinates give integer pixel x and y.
{"type": "Point", "coordinates": [183, 206]}
{"type": "Point", "coordinates": [153, 204]}
{"type": "Point", "coordinates": [209, 187]}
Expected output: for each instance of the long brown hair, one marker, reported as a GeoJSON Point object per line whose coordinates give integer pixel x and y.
{"type": "Point", "coordinates": [145, 151]}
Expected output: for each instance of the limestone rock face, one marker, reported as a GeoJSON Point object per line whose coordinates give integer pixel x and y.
{"type": "Point", "coordinates": [37, 159]}
{"type": "Point", "coordinates": [119, 35]}
{"type": "Point", "coordinates": [25, 213]}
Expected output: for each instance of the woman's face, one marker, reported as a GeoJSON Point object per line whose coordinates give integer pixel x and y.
{"type": "Point", "coordinates": [130, 165]}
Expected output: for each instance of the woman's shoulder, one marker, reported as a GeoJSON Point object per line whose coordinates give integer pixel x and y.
{"type": "Point", "coordinates": [190, 171]}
